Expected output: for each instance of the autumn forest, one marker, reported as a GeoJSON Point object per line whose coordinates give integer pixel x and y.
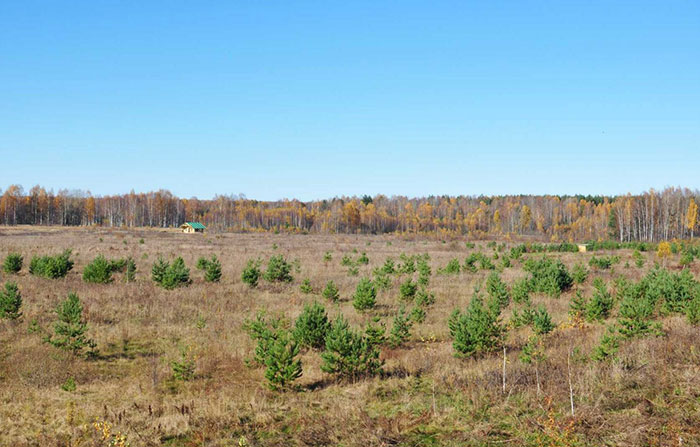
{"type": "Point", "coordinates": [649, 216]}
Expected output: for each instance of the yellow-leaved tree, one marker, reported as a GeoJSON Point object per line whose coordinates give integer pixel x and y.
{"type": "Point", "coordinates": [691, 217]}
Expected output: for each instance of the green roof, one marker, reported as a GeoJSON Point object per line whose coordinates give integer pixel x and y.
{"type": "Point", "coordinates": [196, 225]}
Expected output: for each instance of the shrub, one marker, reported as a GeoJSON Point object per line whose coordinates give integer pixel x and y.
{"type": "Point", "coordinates": [330, 292]}
{"type": "Point", "coordinates": [578, 306]}
{"type": "Point", "coordinates": [365, 295]}
{"type": "Point", "coordinates": [311, 327]}
{"type": "Point", "coordinates": [520, 291]}
{"type": "Point", "coordinates": [130, 274]}
{"type": "Point", "coordinates": [327, 257]}
{"type": "Point", "coordinates": [477, 331]}
{"type": "Point", "coordinates": [158, 270]}
{"type": "Point", "coordinates": [608, 346]}
{"type": "Point", "coordinates": [70, 329]}
{"type": "Point", "coordinates": [10, 302]}
{"type": "Point", "coordinates": [212, 270]}
{"type": "Point", "coordinates": [346, 261]}
{"type": "Point", "coordinates": [305, 286]}
{"type": "Point", "coordinates": [548, 276]}
{"type": "Point", "coordinates": [263, 331]}
{"type": "Point", "coordinates": [363, 259]}
{"type": "Point", "coordinates": [603, 262]}
{"type": "Point", "coordinates": [497, 290]}
{"type": "Point", "coordinates": [452, 267]}
{"type": "Point", "coordinates": [417, 314]}
{"type": "Point", "coordinates": [635, 315]}
{"type": "Point", "coordinates": [375, 333]}
{"type": "Point", "coordinates": [278, 270]}
{"type": "Point", "coordinates": [389, 267]}
{"type": "Point", "coordinates": [170, 276]}
{"type": "Point", "coordinates": [282, 366]}
{"type": "Point", "coordinates": [184, 369]}
{"type": "Point", "coordinates": [12, 263]}
{"type": "Point", "coordinates": [601, 304]}
{"type": "Point", "coordinates": [98, 271]}
{"type": "Point", "coordinates": [251, 273]}
{"type": "Point", "coordinates": [51, 267]}
{"type": "Point", "coordinates": [401, 329]}
{"type": "Point", "coordinates": [408, 264]}
{"type": "Point", "coordinates": [350, 354]}
{"type": "Point", "coordinates": [407, 290]}
{"type": "Point", "coordinates": [424, 271]}
{"type": "Point", "coordinates": [692, 311]}
{"type": "Point", "coordinates": [579, 273]}
{"type": "Point", "coordinates": [424, 298]}
{"type": "Point", "coordinates": [638, 259]}
{"type": "Point", "coordinates": [542, 322]}
{"type": "Point", "coordinates": [201, 263]}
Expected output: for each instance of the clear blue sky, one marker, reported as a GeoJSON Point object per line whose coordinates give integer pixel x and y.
{"type": "Point", "coordinates": [316, 99]}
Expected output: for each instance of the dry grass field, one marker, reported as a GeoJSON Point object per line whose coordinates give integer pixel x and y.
{"type": "Point", "coordinates": [647, 396]}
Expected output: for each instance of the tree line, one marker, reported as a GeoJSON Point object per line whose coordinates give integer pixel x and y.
{"type": "Point", "coordinates": [649, 216]}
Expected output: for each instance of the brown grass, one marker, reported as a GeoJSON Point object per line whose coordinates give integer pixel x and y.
{"type": "Point", "coordinates": [427, 396]}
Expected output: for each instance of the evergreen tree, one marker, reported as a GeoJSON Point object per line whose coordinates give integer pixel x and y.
{"type": "Point", "coordinates": [70, 329]}
{"type": "Point", "coordinates": [159, 269]}
{"type": "Point", "coordinates": [407, 290]}
{"type": "Point", "coordinates": [349, 354]}
{"type": "Point", "coordinates": [12, 263]}
{"type": "Point", "coordinates": [212, 270]}
{"type": "Point", "coordinates": [477, 331]}
{"type": "Point", "coordinates": [176, 275]}
{"type": "Point", "coordinates": [497, 291]}
{"type": "Point", "coordinates": [365, 295]}
{"type": "Point", "coordinates": [98, 271]}
{"type": "Point", "coordinates": [10, 302]}
{"type": "Point", "coordinates": [130, 275]}
{"type": "Point", "coordinates": [281, 365]}
{"type": "Point", "coordinates": [542, 323]}
{"type": "Point", "coordinates": [401, 329]}
{"type": "Point", "coordinates": [601, 304]}
{"type": "Point", "coordinates": [330, 292]}
{"type": "Point", "coordinates": [251, 273]}
{"type": "Point", "coordinates": [312, 326]}
{"type": "Point", "coordinates": [305, 286]}
{"type": "Point", "coordinates": [278, 270]}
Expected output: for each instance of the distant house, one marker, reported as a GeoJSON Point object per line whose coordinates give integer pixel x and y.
{"type": "Point", "coordinates": [193, 227]}
{"type": "Point", "coordinates": [582, 248]}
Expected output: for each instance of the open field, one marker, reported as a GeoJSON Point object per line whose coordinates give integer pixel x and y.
{"type": "Point", "coordinates": [647, 396]}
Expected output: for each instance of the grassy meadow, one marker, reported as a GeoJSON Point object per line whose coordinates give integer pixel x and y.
{"type": "Point", "coordinates": [646, 394]}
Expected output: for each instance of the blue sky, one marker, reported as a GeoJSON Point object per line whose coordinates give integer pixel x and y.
{"type": "Point", "coordinates": [318, 99]}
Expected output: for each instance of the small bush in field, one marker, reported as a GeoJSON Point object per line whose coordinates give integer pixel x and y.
{"type": "Point", "coordinates": [51, 267]}
{"type": "Point", "coordinates": [417, 314]}
{"type": "Point", "coordinates": [476, 331]}
{"type": "Point", "coordinates": [327, 257]}
{"type": "Point", "coordinates": [184, 368]}
{"type": "Point", "coordinates": [211, 267]}
{"type": "Point", "coordinates": [579, 273]}
{"type": "Point", "coordinates": [12, 263]}
{"type": "Point", "coordinates": [350, 354]}
{"type": "Point", "coordinates": [365, 295]}
{"type": "Point", "coordinates": [542, 322]}
{"type": "Point", "coordinates": [521, 291]}
{"type": "Point", "coordinates": [170, 276]}
{"type": "Point", "coordinates": [548, 276]}
{"type": "Point", "coordinates": [424, 298]}
{"type": "Point", "coordinates": [158, 270]}
{"type": "Point", "coordinates": [608, 346]}
{"type": "Point", "coordinates": [278, 270]}
{"type": "Point", "coordinates": [452, 268]}
{"type": "Point", "coordinates": [10, 302]}
{"type": "Point", "coordinates": [99, 271]}
{"type": "Point", "coordinates": [401, 329]}
{"type": "Point", "coordinates": [305, 286]}
{"type": "Point", "coordinates": [330, 292]}
{"type": "Point", "coordinates": [130, 274]}
{"type": "Point", "coordinates": [407, 290]}
{"type": "Point", "coordinates": [692, 311]}
{"type": "Point", "coordinates": [70, 329]}
{"type": "Point", "coordinates": [281, 365]}
{"type": "Point", "coordinates": [638, 259]}
{"type": "Point", "coordinates": [311, 326]}
{"type": "Point", "coordinates": [251, 273]}
{"type": "Point", "coordinates": [600, 306]}
{"type": "Point", "coordinates": [603, 262]}
{"type": "Point", "coordinates": [363, 259]}
{"type": "Point", "coordinates": [497, 291]}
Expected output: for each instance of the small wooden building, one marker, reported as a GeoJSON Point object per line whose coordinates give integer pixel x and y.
{"type": "Point", "coordinates": [193, 227]}
{"type": "Point", "coordinates": [582, 248]}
